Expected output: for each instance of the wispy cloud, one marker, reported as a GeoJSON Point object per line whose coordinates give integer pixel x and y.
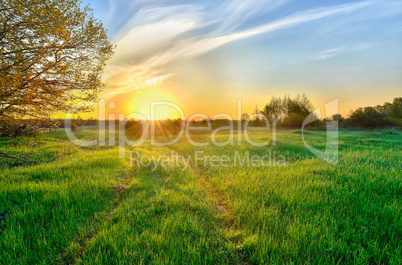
{"type": "Point", "coordinates": [158, 36]}
{"type": "Point", "coordinates": [206, 45]}
{"type": "Point", "coordinates": [375, 11]}
{"type": "Point", "coordinates": [234, 13]}
{"type": "Point", "coordinates": [342, 50]}
{"type": "Point", "coordinates": [329, 53]}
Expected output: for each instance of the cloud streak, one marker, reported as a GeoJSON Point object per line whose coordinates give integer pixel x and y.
{"type": "Point", "coordinates": [157, 37]}
{"type": "Point", "coordinates": [206, 45]}
{"type": "Point", "coordinates": [327, 54]}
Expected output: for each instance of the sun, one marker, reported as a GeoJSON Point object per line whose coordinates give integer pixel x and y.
{"type": "Point", "coordinates": [140, 105]}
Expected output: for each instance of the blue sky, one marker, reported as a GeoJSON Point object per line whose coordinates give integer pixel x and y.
{"type": "Point", "coordinates": [210, 53]}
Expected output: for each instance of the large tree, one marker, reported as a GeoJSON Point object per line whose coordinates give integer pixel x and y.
{"type": "Point", "coordinates": [52, 56]}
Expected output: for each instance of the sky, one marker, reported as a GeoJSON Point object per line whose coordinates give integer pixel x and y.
{"type": "Point", "coordinates": [205, 55]}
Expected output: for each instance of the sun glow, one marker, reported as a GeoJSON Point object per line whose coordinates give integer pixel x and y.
{"type": "Point", "coordinates": [141, 104]}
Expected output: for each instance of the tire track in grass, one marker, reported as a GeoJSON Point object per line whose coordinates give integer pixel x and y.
{"type": "Point", "coordinates": [118, 194]}
{"type": "Point", "coordinates": [215, 197]}
{"type": "Point", "coordinates": [226, 216]}
{"type": "Point", "coordinates": [224, 212]}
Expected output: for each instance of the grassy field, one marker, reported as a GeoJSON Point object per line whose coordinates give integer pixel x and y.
{"type": "Point", "coordinates": [86, 206]}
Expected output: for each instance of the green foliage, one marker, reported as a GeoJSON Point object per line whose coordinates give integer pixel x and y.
{"type": "Point", "coordinates": [52, 56]}
{"type": "Point", "coordinates": [296, 110]}
{"type": "Point", "coordinates": [396, 110]}
{"type": "Point", "coordinates": [379, 116]}
{"type": "Point", "coordinates": [338, 117]}
{"type": "Point", "coordinates": [74, 127]}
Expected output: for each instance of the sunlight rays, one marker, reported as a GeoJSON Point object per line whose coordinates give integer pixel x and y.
{"type": "Point", "coordinates": [140, 104]}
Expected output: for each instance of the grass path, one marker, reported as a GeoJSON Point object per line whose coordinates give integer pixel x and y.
{"type": "Point", "coordinates": [217, 199]}
{"type": "Point", "coordinates": [164, 218]}
{"type": "Point", "coordinates": [118, 189]}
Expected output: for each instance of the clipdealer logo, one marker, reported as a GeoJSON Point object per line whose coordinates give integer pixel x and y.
{"type": "Point", "coordinates": [235, 137]}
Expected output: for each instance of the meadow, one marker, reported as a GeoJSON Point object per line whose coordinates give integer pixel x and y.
{"type": "Point", "coordinates": [84, 205]}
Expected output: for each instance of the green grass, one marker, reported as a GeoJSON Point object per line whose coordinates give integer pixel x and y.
{"type": "Point", "coordinates": [50, 207]}
{"type": "Point", "coordinates": [87, 206]}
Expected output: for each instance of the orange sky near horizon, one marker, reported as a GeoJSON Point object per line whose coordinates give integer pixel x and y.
{"type": "Point", "coordinates": [204, 56]}
{"type": "Point", "coordinates": [200, 103]}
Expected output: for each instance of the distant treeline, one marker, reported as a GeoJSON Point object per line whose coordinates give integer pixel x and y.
{"type": "Point", "coordinates": [297, 109]}
{"type": "Point", "coordinates": [290, 112]}
{"type": "Point", "coordinates": [380, 116]}
{"type": "Point", "coordinates": [284, 112]}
